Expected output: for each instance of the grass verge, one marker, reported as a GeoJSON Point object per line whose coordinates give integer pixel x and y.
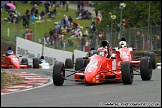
{"type": "Point", "coordinates": [9, 79]}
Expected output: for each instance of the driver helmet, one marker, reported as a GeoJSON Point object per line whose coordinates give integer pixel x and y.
{"type": "Point", "coordinates": [9, 52]}
{"type": "Point", "coordinates": [102, 51]}
{"type": "Point", "coordinates": [105, 44]}
{"type": "Point", "coordinates": [122, 44]}
{"type": "Point", "coordinates": [42, 59]}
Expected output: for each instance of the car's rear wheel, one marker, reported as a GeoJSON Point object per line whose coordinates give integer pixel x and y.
{"type": "Point", "coordinates": [127, 73]}
{"type": "Point", "coordinates": [24, 61]}
{"type": "Point", "coordinates": [152, 56]}
{"type": "Point", "coordinates": [146, 68]}
{"type": "Point", "coordinates": [68, 63]}
{"type": "Point", "coordinates": [79, 63]}
{"type": "Point", "coordinates": [58, 73]}
{"type": "Point", "coordinates": [35, 63]}
{"type": "Point", "coordinates": [145, 53]}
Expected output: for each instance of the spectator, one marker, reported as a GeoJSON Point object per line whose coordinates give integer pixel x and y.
{"type": "Point", "coordinates": [67, 6]}
{"type": "Point", "coordinates": [51, 32]}
{"type": "Point", "coordinates": [96, 12]}
{"type": "Point", "coordinates": [139, 41]}
{"type": "Point", "coordinates": [158, 42]}
{"type": "Point", "coordinates": [63, 5]}
{"type": "Point", "coordinates": [54, 12]}
{"type": "Point", "coordinates": [70, 20]}
{"type": "Point", "coordinates": [36, 12]}
{"type": "Point", "coordinates": [93, 26]}
{"type": "Point", "coordinates": [33, 18]}
{"type": "Point", "coordinates": [25, 21]}
{"type": "Point", "coordinates": [70, 43]}
{"type": "Point", "coordinates": [82, 4]}
{"type": "Point", "coordinates": [78, 6]}
{"type": "Point", "coordinates": [33, 9]}
{"type": "Point", "coordinates": [42, 15]}
{"type": "Point", "coordinates": [27, 10]}
{"type": "Point", "coordinates": [82, 43]}
{"type": "Point", "coordinates": [46, 5]}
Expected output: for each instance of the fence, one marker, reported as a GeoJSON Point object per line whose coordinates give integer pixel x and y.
{"type": "Point", "coordinates": [11, 31]}
{"type": "Point", "coordinates": [149, 39]}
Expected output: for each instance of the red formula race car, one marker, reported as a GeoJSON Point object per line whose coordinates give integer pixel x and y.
{"type": "Point", "coordinates": [12, 61]}
{"type": "Point", "coordinates": [97, 69]}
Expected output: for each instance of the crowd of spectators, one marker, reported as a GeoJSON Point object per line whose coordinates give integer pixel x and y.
{"type": "Point", "coordinates": [55, 36]}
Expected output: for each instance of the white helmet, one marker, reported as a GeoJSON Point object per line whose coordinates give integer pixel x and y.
{"type": "Point", "coordinates": [122, 44]}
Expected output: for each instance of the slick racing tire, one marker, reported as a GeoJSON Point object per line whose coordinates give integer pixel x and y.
{"type": "Point", "coordinates": [58, 74]}
{"type": "Point", "coordinates": [145, 53]}
{"type": "Point", "coordinates": [127, 73]}
{"type": "Point", "coordinates": [24, 61]}
{"type": "Point", "coordinates": [35, 63]}
{"type": "Point", "coordinates": [146, 68]}
{"type": "Point", "coordinates": [152, 56]}
{"type": "Point", "coordinates": [68, 63]}
{"type": "Point", "coordinates": [79, 63]}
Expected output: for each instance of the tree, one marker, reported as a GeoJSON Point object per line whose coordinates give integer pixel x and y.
{"type": "Point", "coordinates": [136, 11]}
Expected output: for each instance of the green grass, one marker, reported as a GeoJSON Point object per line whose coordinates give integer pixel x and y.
{"type": "Point", "coordinates": [9, 79]}
{"type": "Point", "coordinates": [41, 28]}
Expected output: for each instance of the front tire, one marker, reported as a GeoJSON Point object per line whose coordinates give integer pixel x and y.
{"type": "Point", "coordinates": [58, 74]}
{"type": "Point", "coordinates": [146, 68]}
{"type": "Point", "coordinates": [127, 73]}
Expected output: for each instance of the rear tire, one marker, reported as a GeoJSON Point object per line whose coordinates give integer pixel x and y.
{"type": "Point", "coordinates": [79, 63]}
{"type": "Point", "coordinates": [145, 53]}
{"type": "Point", "coordinates": [152, 57]}
{"type": "Point", "coordinates": [68, 63]}
{"type": "Point", "coordinates": [127, 73]}
{"type": "Point", "coordinates": [58, 74]}
{"type": "Point", "coordinates": [24, 61]}
{"type": "Point", "coordinates": [146, 68]}
{"type": "Point", "coordinates": [35, 63]}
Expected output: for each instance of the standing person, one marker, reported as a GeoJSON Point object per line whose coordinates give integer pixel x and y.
{"type": "Point", "coordinates": [158, 38]}
{"type": "Point", "coordinates": [96, 12]}
{"type": "Point", "coordinates": [82, 4]}
{"type": "Point", "coordinates": [67, 6]}
{"type": "Point", "coordinates": [78, 6]}
{"type": "Point", "coordinates": [82, 43]}
{"type": "Point", "coordinates": [139, 41]}
{"type": "Point", "coordinates": [63, 5]}
{"type": "Point", "coordinates": [46, 6]}
{"type": "Point", "coordinates": [54, 12]}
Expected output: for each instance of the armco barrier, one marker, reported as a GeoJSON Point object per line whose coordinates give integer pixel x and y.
{"type": "Point", "coordinates": [29, 49]}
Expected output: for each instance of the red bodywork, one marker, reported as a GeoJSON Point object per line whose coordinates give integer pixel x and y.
{"type": "Point", "coordinates": [12, 61]}
{"type": "Point", "coordinates": [126, 54]}
{"type": "Point", "coordinates": [101, 69]}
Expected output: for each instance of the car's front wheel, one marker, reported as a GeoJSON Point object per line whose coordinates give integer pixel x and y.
{"type": "Point", "coordinates": [127, 72]}
{"type": "Point", "coordinates": [58, 73]}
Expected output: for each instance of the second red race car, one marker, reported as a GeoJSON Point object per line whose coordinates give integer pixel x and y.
{"type": "Point", "coordinates": [11, 61]}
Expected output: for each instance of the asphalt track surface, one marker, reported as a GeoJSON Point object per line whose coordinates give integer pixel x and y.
{"type": "Point", "coordinates": [76, 94]}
